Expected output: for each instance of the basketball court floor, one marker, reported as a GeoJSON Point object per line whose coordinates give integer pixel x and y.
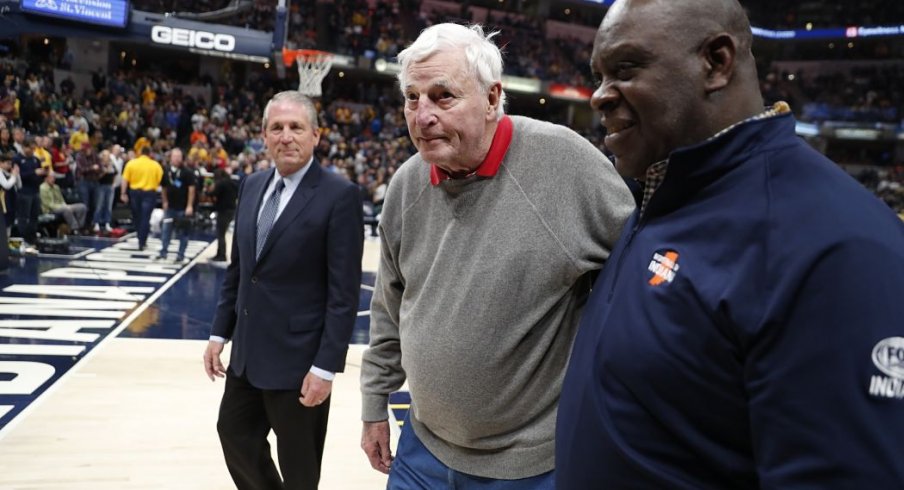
{"type": "Point", "coordinates": [101, 381]}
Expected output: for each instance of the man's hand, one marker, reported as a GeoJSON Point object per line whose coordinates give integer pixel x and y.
{"type": "Point", "coordinates": [375, 443]}
{"type": "Point", "coordinates": [189, 210]}
{"type": "Point", "coordinates": [212, 364]}
{"type": "Point", "coordinates": [314, 390]}
{"type": "Point", "coordinates": [124, 197]}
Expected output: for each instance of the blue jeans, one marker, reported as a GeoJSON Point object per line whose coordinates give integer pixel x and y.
{"type": "Point", "coordinates": [87, 189]}
{"type": "Point", "coordinates": [414, 467]}
{"type": "Point", "coordinates": [103, 213]}
{"type": "Point", "coordinates": [142, 203]}
{"type": "Point", "coordinates": [173, 218]}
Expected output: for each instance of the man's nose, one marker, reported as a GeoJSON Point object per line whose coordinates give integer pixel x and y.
{"type": "Point", "coordinates": [285, 136]}
{"type": "Point", "coordinates": [605, 97]}
{"type": "Point", "coordinates": [426, 112]}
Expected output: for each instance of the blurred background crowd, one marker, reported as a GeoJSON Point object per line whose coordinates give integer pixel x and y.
{"type": "Point", "coordinates": [848, 93]}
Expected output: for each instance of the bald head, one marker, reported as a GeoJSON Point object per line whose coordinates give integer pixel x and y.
{"type": "Point", "coordinates": [692, 20]}
{"type": "Point", "coordinates": [673, 74]}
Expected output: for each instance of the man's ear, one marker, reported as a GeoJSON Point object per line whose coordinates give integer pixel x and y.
{"type": "Point", "coordinates": [494, 99]}
{"type": "Point", "coordinates": [719, 56]}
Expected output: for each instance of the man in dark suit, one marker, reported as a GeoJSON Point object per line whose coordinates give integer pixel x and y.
{"type": "Point", "coordinates": [288, 303]}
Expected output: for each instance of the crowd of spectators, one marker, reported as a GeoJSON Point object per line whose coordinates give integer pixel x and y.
{"type": "Point", "coordinates": [779, 14]}
{"type": "Point", "coordinates": [381, 29]}
{"type": "Point", "coordinates": [364, 140]}
{"type": "Point", "coordinates": [887, 183]}
{"type": "Point", "coordinates": [861, 94]}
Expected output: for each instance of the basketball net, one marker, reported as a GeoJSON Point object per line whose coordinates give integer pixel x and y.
{"type": "Point", "coordinates": [312, 65]}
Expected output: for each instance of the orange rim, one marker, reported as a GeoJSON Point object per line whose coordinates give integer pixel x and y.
{"type": "Point", "coordinates": [290, 55]}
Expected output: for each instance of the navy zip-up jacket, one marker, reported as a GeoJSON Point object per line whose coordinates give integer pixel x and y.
{"type": "Point", "coordinates": [746, 332]}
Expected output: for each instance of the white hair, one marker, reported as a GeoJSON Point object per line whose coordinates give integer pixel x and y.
{"type": "Point", "coordinates": [483, 56]}
{"type": "Point", "coordinates": [294, 97]}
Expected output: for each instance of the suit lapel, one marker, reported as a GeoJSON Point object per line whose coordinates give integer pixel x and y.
{"type": "Point", "coordinates": [300, 199]}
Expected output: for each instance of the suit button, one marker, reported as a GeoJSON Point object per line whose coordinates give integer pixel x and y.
{"type": "Point", "coordinates": [245, 311]}
{"type": "Point", "coordinates": [253, 279]}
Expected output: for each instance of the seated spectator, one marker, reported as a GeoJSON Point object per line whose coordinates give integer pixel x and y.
{"type": "Point", "coordinates": [52, 201]}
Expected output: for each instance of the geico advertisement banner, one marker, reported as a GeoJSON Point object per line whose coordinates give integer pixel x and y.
{"type": "Point", "coordinates": [209, 39]}
{"type": "Point", "coordinates": [204, 38]}
{"type": "Point", "coordinates": [193, 39]}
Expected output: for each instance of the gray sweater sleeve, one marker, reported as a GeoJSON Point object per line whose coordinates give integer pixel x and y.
{"type": "Point", "coordinates": [599, 198]}
{"type": "Point", "coordinates": [381, 365]}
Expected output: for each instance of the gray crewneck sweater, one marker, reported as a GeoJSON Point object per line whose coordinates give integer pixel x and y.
{"type": "Point", "coordinates": [479, 293]}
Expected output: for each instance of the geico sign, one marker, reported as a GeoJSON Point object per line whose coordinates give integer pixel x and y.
{"type": "Point", "coordinates": [192, 39]}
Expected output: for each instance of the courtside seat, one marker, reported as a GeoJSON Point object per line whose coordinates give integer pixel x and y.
{"type": "Point", "coordinates": [49, 224]}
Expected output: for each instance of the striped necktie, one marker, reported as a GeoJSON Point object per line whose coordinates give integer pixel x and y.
{"type": "Point", "coordinates": [268, 216]}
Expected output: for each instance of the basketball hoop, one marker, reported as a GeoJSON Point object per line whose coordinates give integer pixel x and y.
{"type": "Point", "coordinates": [313, 66]}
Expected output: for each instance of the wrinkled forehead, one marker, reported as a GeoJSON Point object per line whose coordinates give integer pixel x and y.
{"type": "Point", "coordinates": [447, 69]}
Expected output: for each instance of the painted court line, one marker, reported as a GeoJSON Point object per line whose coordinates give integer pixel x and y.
{"type": "Point", "coordinates": [122, 326]}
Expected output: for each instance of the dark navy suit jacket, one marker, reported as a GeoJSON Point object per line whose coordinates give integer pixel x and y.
{"type": "Point", "coordinates": [296, 305]}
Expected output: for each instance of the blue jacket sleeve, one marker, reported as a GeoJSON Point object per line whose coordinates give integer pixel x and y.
{"type": "Point", "coordinates": [816, 415]}
{"type": "Point", "coordinates": [345, 247]}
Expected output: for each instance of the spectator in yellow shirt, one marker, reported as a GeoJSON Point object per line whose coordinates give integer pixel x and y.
{"type": "Point", "coordinates": [43, 153]}
{"type": "Point", "coordinates": [140, 179]}
{"type": "Point", "coordinates": [79, 138]}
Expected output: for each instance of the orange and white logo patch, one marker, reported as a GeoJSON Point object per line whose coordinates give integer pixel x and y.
{"type": "Point", "coordinates": [664, 267]}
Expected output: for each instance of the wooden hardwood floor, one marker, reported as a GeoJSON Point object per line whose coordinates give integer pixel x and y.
{"type": "Point", "coordinates": [140, 414]}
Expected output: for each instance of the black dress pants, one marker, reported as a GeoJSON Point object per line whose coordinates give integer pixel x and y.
{"type": "Point", "coordinates": [246, 416]}
{"type": "Point", "coordinates": [223, 219]}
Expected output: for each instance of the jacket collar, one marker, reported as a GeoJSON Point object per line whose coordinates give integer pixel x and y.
{"type": "Point", "coordinates": [693, 168]}
{"type": "Point", "coordinates": [299, 200]}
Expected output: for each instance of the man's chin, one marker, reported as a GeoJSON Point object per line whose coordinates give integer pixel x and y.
{"type": "Point", "coordinates": [437, 158]}
{"type": "Point", "coordinates": [629, 169]}
{"type": "Point", "coordinates": [288, 167]}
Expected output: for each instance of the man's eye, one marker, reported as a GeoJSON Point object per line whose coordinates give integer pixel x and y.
{"type": "Point", "coordinates": [624, 71]}
{"type": "Point", "coordinates": [411, 97]}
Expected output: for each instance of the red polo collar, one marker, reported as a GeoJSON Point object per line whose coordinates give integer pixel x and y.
{"type": "Point", "coordinates": [490, 165]}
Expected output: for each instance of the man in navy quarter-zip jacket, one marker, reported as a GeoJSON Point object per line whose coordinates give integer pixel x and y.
{"type": "Point", "coordinates": [748, 330]}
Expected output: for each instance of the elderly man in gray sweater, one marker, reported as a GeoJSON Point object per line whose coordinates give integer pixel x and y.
{"type": "Point", "coordinates": [490, 235]}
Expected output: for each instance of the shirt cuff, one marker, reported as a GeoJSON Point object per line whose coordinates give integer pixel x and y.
{"type": "Point", "coordinates": [321, 373]}
{"type": "Point", "coordinates": [217, 338]}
